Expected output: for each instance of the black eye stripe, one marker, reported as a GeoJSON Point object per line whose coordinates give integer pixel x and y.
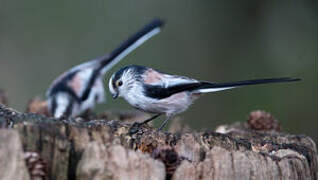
{"type": "Point", "coordinates": [113, 83]}
{"type": "Point", "coordinates": [134, 69]}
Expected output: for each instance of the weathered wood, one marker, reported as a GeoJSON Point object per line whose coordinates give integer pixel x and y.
{"type": "Point", "coordinates": [12, 165]}
{"type": "Point", "coordinates": [104, 149]}
{"type": "Point", "coordinates": [116, 162]}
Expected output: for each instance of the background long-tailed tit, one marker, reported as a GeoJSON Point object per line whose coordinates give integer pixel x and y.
{"type": "Point", "coordinates": [81, 87]}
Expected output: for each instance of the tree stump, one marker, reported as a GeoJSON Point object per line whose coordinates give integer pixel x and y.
{"type": "Point", "coordinates": [105, 148]}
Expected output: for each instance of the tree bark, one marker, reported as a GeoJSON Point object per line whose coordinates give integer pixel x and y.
{"type": "Point", "coordinates": [105, 148]}
{"type": "Point", "coordinates": [12, 164]}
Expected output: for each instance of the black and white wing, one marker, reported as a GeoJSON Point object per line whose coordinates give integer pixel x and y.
{"type": "Point", "coordinates": [160, 86]}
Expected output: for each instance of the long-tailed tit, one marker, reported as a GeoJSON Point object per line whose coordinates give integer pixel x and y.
{"type": "Point", "coordinates": [81, 87]}
{"type": "Point", "coordinates": [155, 92]}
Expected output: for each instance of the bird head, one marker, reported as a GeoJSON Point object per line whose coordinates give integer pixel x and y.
{"type": "Point", "coordinates": [122, 81]}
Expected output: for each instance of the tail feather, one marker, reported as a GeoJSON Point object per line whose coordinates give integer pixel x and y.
{"type": "Point", "coordinates": [213, 87]}
{"type": "Point", "coordinates": [108, 61]}
{"type": "Point", "coordinates": [131, 44]}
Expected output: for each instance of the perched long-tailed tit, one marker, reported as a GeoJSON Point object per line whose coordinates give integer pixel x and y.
{"type": "Point", "coordinates": [155, 92]}
{"type": "Point", "coordinates": [81, 87]}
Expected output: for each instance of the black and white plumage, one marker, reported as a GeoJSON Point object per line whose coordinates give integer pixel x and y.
{"type": "Point", "coordinates": [155, 92]}
{"type": "Point", "coordinates": [81, 87]}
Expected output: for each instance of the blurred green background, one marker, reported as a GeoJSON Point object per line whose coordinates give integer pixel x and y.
{"type": "Point", "coordinates": [207, 39]}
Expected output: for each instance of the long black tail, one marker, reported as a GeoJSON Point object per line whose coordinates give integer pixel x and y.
{"type": "Point", "coordinates": [212, 87]}
{"type": "Point", "coordinates": [108, 61]}
{"type": "Point", "coordinates": [131, 44]}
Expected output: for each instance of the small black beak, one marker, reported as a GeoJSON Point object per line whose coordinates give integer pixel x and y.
{"type": "Point", "coordinates": [115, 95]}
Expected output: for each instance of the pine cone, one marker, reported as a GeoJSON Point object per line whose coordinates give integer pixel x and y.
{"type": "Point", "coordinates": [38, 106]}
{"type": "Point", "coordinates": [36, 165]}
{"type": "Point", "coordinates": [263, 121]}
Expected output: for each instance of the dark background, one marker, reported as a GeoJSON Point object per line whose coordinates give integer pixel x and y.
{"type": "Point", "coordinates": [207, 39]}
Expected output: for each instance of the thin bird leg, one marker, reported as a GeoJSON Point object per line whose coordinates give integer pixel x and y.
{"type": "Point", "coordinates": [150, 119]}
{"type": "Point", "coordinates": [164, 123]}
{"type": "Point", "coordinates": [135, 127]}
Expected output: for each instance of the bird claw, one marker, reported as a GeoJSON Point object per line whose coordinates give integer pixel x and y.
{"type": "Point", "coordinates": [134, 128]}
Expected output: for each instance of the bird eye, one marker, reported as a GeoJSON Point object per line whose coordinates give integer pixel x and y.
{"type": "Point", "coordinates": [119, 83]}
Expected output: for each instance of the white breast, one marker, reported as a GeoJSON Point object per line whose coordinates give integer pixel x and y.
{"type": "Point", "coordinates": [174, 104]}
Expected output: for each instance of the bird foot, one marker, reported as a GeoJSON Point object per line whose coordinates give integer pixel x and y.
{"type": "Point", "coordinates": [134, 128]}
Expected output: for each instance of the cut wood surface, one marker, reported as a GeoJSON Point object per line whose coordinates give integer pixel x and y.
{"type": "Point", "coordinates": [103, 147]}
